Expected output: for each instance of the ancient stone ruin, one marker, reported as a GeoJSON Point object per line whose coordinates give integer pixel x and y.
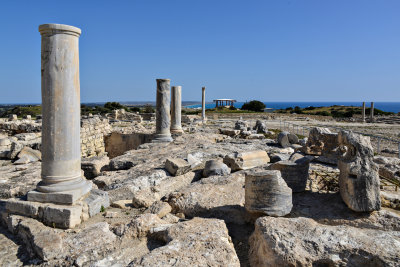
{"type": "Point", "coordinates": [167, 189]}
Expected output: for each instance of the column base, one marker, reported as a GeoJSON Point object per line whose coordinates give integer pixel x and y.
{"type": "Point", "coordinates": [162, 138]}
{"type": "Point", "coordinates": [59, 216]}
{"type": "Point", "coordinates": [177, 131]}
{"type": "Point", "coordinates": [64, 197]}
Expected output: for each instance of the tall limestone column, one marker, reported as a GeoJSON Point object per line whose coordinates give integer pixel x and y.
{"type": "Point", "coordinates": [371, 114]}
{"type": "Point", "coordinates": [203, 104]}
{"type": "Point", "coordinates": [62, 180]}
{"type": "Point", "coordinates": [176, 109]}
{"type": "Point", "coordinates": [163, 133]}
{"type": "Point", "coordinates": [363, 112]}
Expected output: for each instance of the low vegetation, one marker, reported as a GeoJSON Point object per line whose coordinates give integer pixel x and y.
{"type": "Point", "coordinates": [34, 110]}
{"type": "Point", "coordinates": [334, 111]}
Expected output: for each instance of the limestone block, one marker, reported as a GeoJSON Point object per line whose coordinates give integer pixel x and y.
{"type": "Point", "coordinates": [295, 173]}
{"type": "Point", "coordinates": [267, 192]}
{"type": "Point", "coordinates": [13, 117]}
{"type": "Point", "coordinates": [93, 167]}
{"type": "Point", "coordinates": [322, 142]}
{"type": "Point", "coordinates": [30, 154]}
{"type": "Point", "coordinates": [144, 198]}
{"type": "Point", "coordinates": [25, 208]}
{"type": "Point", "coordinates": [142, 224]}
{"type": "Point", "coordinates": [159, 208]}
{"type": "Point", "coordinates": [6, 142]}
{"type": "Point", "coordinates": [305, 242]}
{"type": "Point", "coordinates": [198, 242]}
{"type": "Point", "coordinates": [215, 167]}
{"type": "Point", "coordinates": [229, 132]}
{"type": "Point", "coordinates": [61, 216]}
{"type": "Point", "coordinates": [16, 147]}
{"type": "Point", "coordinates": [283, 139]}
{"type": "Point", "coordinates": [42, 241]}
{"type": "Point", "coordinates": [359, 182]}
{"type": "Point", "coordinates": [261, 127]}
{"type": "Point", "coordinates": [293, 139]}
{"type": "Point", "coordinates": [96, 200]}
{"type": "Point", "coordinates": [122, 204]}
{"type": "Point", "coordinates": [241, 125]}
{"type": "Point", "coordinates": [177, 166]}
{"type": "Point", "coordinates": [246, 160]}
{"type": "Point", "coordinates": [275, 157]}
{"type": "Point", "coordinates": [219, 197]}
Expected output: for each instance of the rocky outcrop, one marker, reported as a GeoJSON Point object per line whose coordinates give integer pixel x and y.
{"type": "Point", "coordinates": [226, 194]}
{"type": "Point", "coordinates": [266, 192]}
{"type": "Point", "coordinates": [359, 179]}
{"type": "Point", "coordinates": [304, 242]}
{"type": "Point", "coordinates": [198, 242]}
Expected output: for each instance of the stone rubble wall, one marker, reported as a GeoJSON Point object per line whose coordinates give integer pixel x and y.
{"type": "Point", "coordinates": [93, 131]}
{"type": "Point", "coordinates": [20, 126]}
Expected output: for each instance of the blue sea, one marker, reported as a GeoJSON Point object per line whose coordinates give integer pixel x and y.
{"type": "Point", "coordinates": [385, 106]}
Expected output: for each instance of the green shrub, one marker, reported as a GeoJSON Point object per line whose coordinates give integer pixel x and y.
{"type": "Point", "coordinates": [148, 109]}
{"type": "Point", "coordinates": [254, 105]}
{"type": "Point", "coordinates": [232, 108]}
{"type": "Point", "coordinates": [135, 109]}
{"type": "Point", "coordinates": [323, 113]}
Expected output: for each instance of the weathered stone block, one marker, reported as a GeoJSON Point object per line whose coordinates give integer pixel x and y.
{"type": "Point", "coordinates": [267, 192]}
{"type": "Point", "coordinates": [359, 182]}
{"type": "Point", "coordinates": [96, 200]}
{"type": "Point", "coordinates": [305, 242]}
{"type": "Point", "coordinates": [159, 208]}
{"type": "Point", "coordinates": [283, 139]}
{"type": "Point", "coordinates": [61, 216]}
{"type": "Point", "coordinates": [295, 173]}
{"type": "Point", "coordinates": [93, 167]}
{"type": "Point", "coordinates": [246, 160]}
{"type": "Point", "coordinates": [177, 166]}
{"type": "Point", "coordinates": [215, 167]}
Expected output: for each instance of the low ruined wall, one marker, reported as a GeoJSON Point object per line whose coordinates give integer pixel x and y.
{"type": "Point", "coordinates": [93, 131]}
{"type": "Point", "coordinates": [20, 126]}
{"type": "Point", "coordinates": [117, 143]}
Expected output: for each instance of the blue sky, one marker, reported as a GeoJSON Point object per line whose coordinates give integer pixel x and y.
{"type": "Point", "coordinates": [337, 50]}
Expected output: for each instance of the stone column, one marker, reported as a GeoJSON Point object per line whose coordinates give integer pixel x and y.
{"type": "Point", "coordinates": [176, 109]}
{"type": "Point", "coordinates": [203, 104]}
{"type": "Point", "coordinates": [363, 112]}
{"type": "Point", "coordinates": [371, 114]}
{"type": "Point", "coordinates": [163, 133]}
{"type": "Point", "coordinates": [62, 180]}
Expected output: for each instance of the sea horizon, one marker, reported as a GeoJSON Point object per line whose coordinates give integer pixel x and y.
{"type": "Point", "coordinates": [384, 106]}
{"type": "Point", "coordinates": [274, 105]}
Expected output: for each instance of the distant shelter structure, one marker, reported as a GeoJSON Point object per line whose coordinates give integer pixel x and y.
{"type": "Point", "coordinates": [224, 102]}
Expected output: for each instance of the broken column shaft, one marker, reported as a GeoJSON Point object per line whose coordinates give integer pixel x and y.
{"type": "Point", "coordinates": [176, 109]}
{"type": "Point", "coordinates": [203, 104]}
{"type": "Point", "coordinates": [163, 133]}
{"type": "Point", "coordinates": [62, 181]}
{"type": "Point", "coordinates": [371, 113]}
{"type": "Point", "coordinates": [363, 112]}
